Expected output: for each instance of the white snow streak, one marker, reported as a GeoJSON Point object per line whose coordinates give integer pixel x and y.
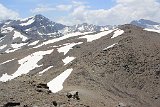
{"type": "Point", "coordinates": [2, 47]}
{"type": "Point", "coordinates": [68, 60]}
{"type": "Point", "coordinates": [66, 48]}
{"type": "Point", "coordinates": [33, 43]}
{"type": "Point", "coordinates": [110, 46]}
{"type": "Point", "coordinates": [19, 35]}
{"type": "Point", "coordinates": [91, 38]}
{"type": "Point", "coordinates": [117, 33]}
{"type": "Point", "coordinates": [7, 61]}
{"type": "Point", "coordinates": [26, 64]}
{"type": "Point", "coordinates": [6, 29]}
{"type": "Point", "coordinates": [45, 69]}
{"type": "Point", "coordinates": [17, 46]}
{"type": "Point", "coordinates": [56, 84]}
{"type": "Point", "coordinates": [62, 38]}
{"type": "Point", "coordinates": [30, 21]}
{"type": "Point", "coordinates": [152, 30]}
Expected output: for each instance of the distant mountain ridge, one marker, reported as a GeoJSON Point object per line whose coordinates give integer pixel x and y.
{"type": "Point", "coordinates": [15, 34]}
{"type": "Point", "coordinates": [146, 24]}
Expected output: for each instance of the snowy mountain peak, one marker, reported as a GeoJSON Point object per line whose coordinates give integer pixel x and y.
{"type": "Point", "coordinates": [144, 23]}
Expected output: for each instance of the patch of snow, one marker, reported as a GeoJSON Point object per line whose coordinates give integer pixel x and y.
{"type": "Point", "coordinates": [68, 60]}
{"type": "Point", "coordinates": [7, 61]}
{"type": "Point", "coordinates": [33, 43]}
{"type": "Point", "coordinates": [30, 21]}
{"type": "Point", "coordinates": [81, 28]}
{"type": "Point", "coordinates": [62, 38]}
{"type": "Point", "coordinates": [2, 38]}
{"type": "Point", "coordinates": [2, 47]}
{"type": "Point", "coordinates": [19, 35]}
{"type": "Point", "coordinates": [91, 38]}
{"type": "Point", "coordinates": [66, 48]}
{"type": "Point", "coordinates": [110, 46]}
{"type": "Point", "coordinates": [26, 65]}
{"type": "Point", "coordinates": [117, 33]}
{"type": "Point", "coordinates": [6, 29]}
{"type": "Point", "coordinates": [104, 28]}
{"type": "Point", "coordinates": [56, 84]}
{"type": "Point", "coordinates": [28, 29]}
{"type": "Point", "coordinates": [152, 30]}
{"type": "Point", "coordinates": [45, 69]}
{"type": "Point", "coordinates": [10, 50]}
{"type": "Point", "coordinates": [18, 46]}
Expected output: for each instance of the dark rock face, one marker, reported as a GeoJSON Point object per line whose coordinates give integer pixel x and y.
{"type": "Point", "coordinates": [73, 94]}
{"type": "Point", "coordinates": [41, 85]}
{"type": "Point", "coordinates": [11, 104]}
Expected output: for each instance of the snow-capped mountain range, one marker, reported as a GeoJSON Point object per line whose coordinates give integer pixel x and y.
{"type": "Point", "coordinates": [16, 34]}
{"type": "Point", "coordinates": [147, 25]}
{"type": "Point", "coordinates": [47, 64]}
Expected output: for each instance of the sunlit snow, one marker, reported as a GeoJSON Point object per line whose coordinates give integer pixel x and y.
{"type": "Point", "coordinates": [6, 29]}
{"type": "Point", "coordinates": [26, 65]}
{"type": "Point", "coordinates": [2, 47]}
{"type": "Point", "coordinates": [6, 61]}
{"type": "Point", "coordinates": [56, 84]}
{"type": "Point", "coordinates": [152, 30]}
{"type": "Point", "coordinates": [30, 21]}
{"type": "Point", "coordinates": [110, 46]}
{"type": "Point", "coordinates": [17, 46]}
{"type": "Point", "coordinates": [68, 59]}
{"type": "Point", "coordinates": [66, 48]}
{"type": "Point", "coordinates": [33, 43]}
{"type": "Point", "coordinates": [91, 38]}
{"type": "Point", "coordinates": [117, 33]}
{"type": "Point", "coordinates": [62, 38]}
{"type": "Point", "coordinates": [45, 69]}
{"type": "Point", "coordinates": [19, 35]}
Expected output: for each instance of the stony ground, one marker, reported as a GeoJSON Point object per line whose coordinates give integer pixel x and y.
{"type": "Point", "coordinates": [127, 75]}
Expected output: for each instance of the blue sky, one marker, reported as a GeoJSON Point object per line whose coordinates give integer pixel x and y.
{"type": "Point", "coordinates": [71, 12]}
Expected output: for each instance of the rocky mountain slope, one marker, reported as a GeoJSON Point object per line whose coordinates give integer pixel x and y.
{"type": "Point", "coordinates": [117, 67]}
{"type": "Point", "coordinates": [47, 64]}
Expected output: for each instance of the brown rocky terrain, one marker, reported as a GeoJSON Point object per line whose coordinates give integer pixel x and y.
{"type": "Point", "coordinates": [126, 75]}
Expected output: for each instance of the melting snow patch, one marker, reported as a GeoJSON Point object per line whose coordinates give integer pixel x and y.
{"type": "Point", "coordinates": [2, 47]}
{"type": "Point", "coordinates": [117, 33]}
{"type": "Point", "coordinates": [62, 38]}
{"type": "Point", "coordinates": [56, 84]}
{"type": "Point", "coordinates": [26, 64]}
{"type": "Point", "coordinates": [110, 46]}
{"type": "Point", "coordinates": [33, 43]}
{"type": "Point", "coordinates": [152, 30]}
{"type": "Point", "coordinates": [6, 29]}
{"type": "Point", "coordinates": [66, 48]}
{"type": "Point", "coordinates": [30, 21]}
{"type": "Point", "coordinates": [19, 35]}
{"type": "Point", "coordinates": [7, 61]}
{"type": "Point", "coordinates": [68, 60]}
{"type": "Point", "coordinates": [91, 38]}
{"type": "Point", "coordinates": [17, 46]}
{"type": "Point", "coordinates": [45, 69]}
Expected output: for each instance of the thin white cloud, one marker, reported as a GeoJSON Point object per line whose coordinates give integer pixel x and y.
{"type": "Point", "coordinates": [49, 8]}
{"type": "Point", "coordinates": [42, 8]}
{"type": "Point", "coordinates": [6, 13]}
{"type": "Point", "coordinates": [63, 7]}
{"type": "Point", "coordinates": [123, 12]}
